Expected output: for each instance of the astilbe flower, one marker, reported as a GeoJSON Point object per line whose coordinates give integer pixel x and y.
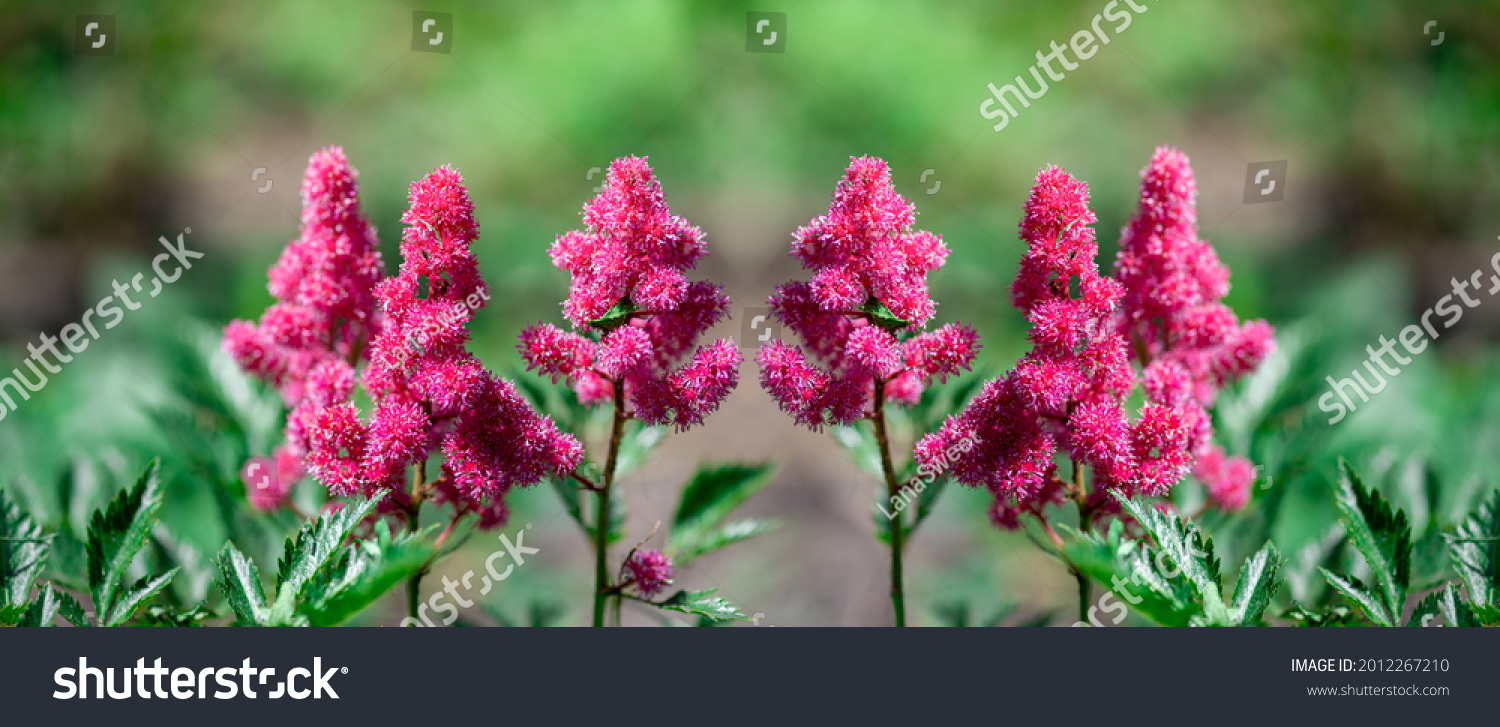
{"type": "Point", "coordinates": [1189, 343]}
{"type": "Point", "coordinates": [634, 312]}
{"type": "Point", "coordinates": [869, 283]}
{"type": "Point", "coordinates": [649, 571]}
{"type": "Point", "coordinates": [1067, 395]}
{"type": "Point", "coordinates": [307, 343]}
{"type": "Point", "coordinates": [430, 394]}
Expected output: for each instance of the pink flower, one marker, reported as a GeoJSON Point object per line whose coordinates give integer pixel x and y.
{"type": "Point", "coordinates": [860, 315]}
{"type": "Point", "coordinates": [1190, 343]}
{"type": "Point", "coordinates": [1067, 395]}
{"type": "Point", "coordinates": [323, 285]}
{"type": "Point", "coordinates": [1229, 480]}
{"type": "Point", "coordinates": [269, 480]}
{"type": "Point", "coordinates": [307, 342]}
{"type": "Point", "coordinates": [649, 571]}
{"type": "Point", "coordinates": [430, 393]}
{"type": "Point", "coordinates": [636, 313]}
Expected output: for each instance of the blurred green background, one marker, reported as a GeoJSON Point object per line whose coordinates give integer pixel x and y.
{"type": "Point", "coordinates": [1393, 174]}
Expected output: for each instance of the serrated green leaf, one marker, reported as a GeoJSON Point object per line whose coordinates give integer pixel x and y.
{"type": "Point", "coordinates": [43, 611]}
{"type": "Point", "coordinates": [23, 552]}
{"type": "Point", "coordinates": [1257, 586]}
{"type": "Point", "coordinates": [1473, 551]}
{"type": "Point", "coordinates": [375, 571]}
{"type": "Point", "coordinates": [709, 497]}
{"type": "Point", "coordinates": [315, 544]}
{"type": "Point", "coordinates": [1383, 537]}
{"type": "Point", "coordinates": [1125, 565]}
{"type": "Point", "coordinates": [13, 615]}
{"type": "Point", "coordinates": [117, 533]}
{"type": "Point", "coordinates": [1368, 601]}
{"type": "Point", "coordinates": [703, 603]}
{"type": "Point", "coordinates": [1190, 549]}
{"type": "Point", "coordinates": [70, 610]}
{"type": "Point", "coordinates": [239, 581]}
{"type": "Point", "coordinates": [130, 599]}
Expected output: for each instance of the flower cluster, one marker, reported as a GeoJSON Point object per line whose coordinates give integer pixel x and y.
{"type": "Point", "coordinates": [1068, 393]}
{"type": "Point", "coordinates": [1188, 342]}
{"type": "Point", "coordinates": [869, 283]}
{"type": "Point", "coordinates": [637, 313]}
{"type": "Point", "coordinates": [308, 341]}
{"type": "Point", "coordinates": [430, 394]}
{"type": "Point", "coordinates": [649, 571]}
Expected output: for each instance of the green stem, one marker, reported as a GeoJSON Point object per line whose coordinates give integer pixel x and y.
{"type": "Point", "coordinates": [414, 583]}
{"type": "Point", "coordinates": [601, 519]}
{"type": "Point", "coordinates": [898, 527]}
{"type": "Point", "coordinates": [1080, 493]}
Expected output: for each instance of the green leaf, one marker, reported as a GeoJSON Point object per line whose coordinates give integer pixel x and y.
{"type": "Point", "coordinates": [43, 611]}
{"type": "Point", "coordinates": [1125, 565]}
{"type": "Point", "coordinates": [23, 552]}
{"type": "Point", "coordinates": [618, 315]}
{"type": "Point", "coordinates": [571, 494]}
{"type": "Point", "coordinates": [116, 534]}
{"type": "Point", "coordinates": [239, 581]}
{"type": "Point", "coordinates": [165, 616]}
{"type": "Point", "coordinates": [709, 497]}
{"type": "Point", "coordinates": [882, 316]}
{"type": "Point", "coordinates": [1190, 549]}
{"type": "Point", "coordinates": [364, 572]}
{"type": "Point", "coordinates": [70, 610]}
{"type": "Point", "coordinates": [1473, 551]}
{"type": "Point", "coordinates": [1257, 586]}
{"type": "Point", "coordinates": [316, 543]}
{"type": "Point", "coordinates": [131, 598]}
{"type": "Point", "coordinates": [734, 532]}
{"type": "Point", "coordinates": [862, 447]}
{"type": "Point", "coordinates": [1382, 536]}
{"type": "Point", "coordinates": [1368, 601]}
{"type": "Point", "coordinates": [635, 445]}
{"type": "Point", "coordinates": [703, 603]}
{"type": "Point", "coordinates": [1333, 617]}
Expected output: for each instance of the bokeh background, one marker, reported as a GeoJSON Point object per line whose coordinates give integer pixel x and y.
{"type": "Point", "coordinates": [1393, 174]}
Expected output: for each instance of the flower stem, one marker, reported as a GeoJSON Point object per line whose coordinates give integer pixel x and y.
{"type": "Point", "coordinates": [601, 519]}
{"type": "Point", "coordinates": [1084, 517]}
{"type": "Point", "coordinates": [898, 526]}
{"type": "Point", "coordinates": [414, 583]}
